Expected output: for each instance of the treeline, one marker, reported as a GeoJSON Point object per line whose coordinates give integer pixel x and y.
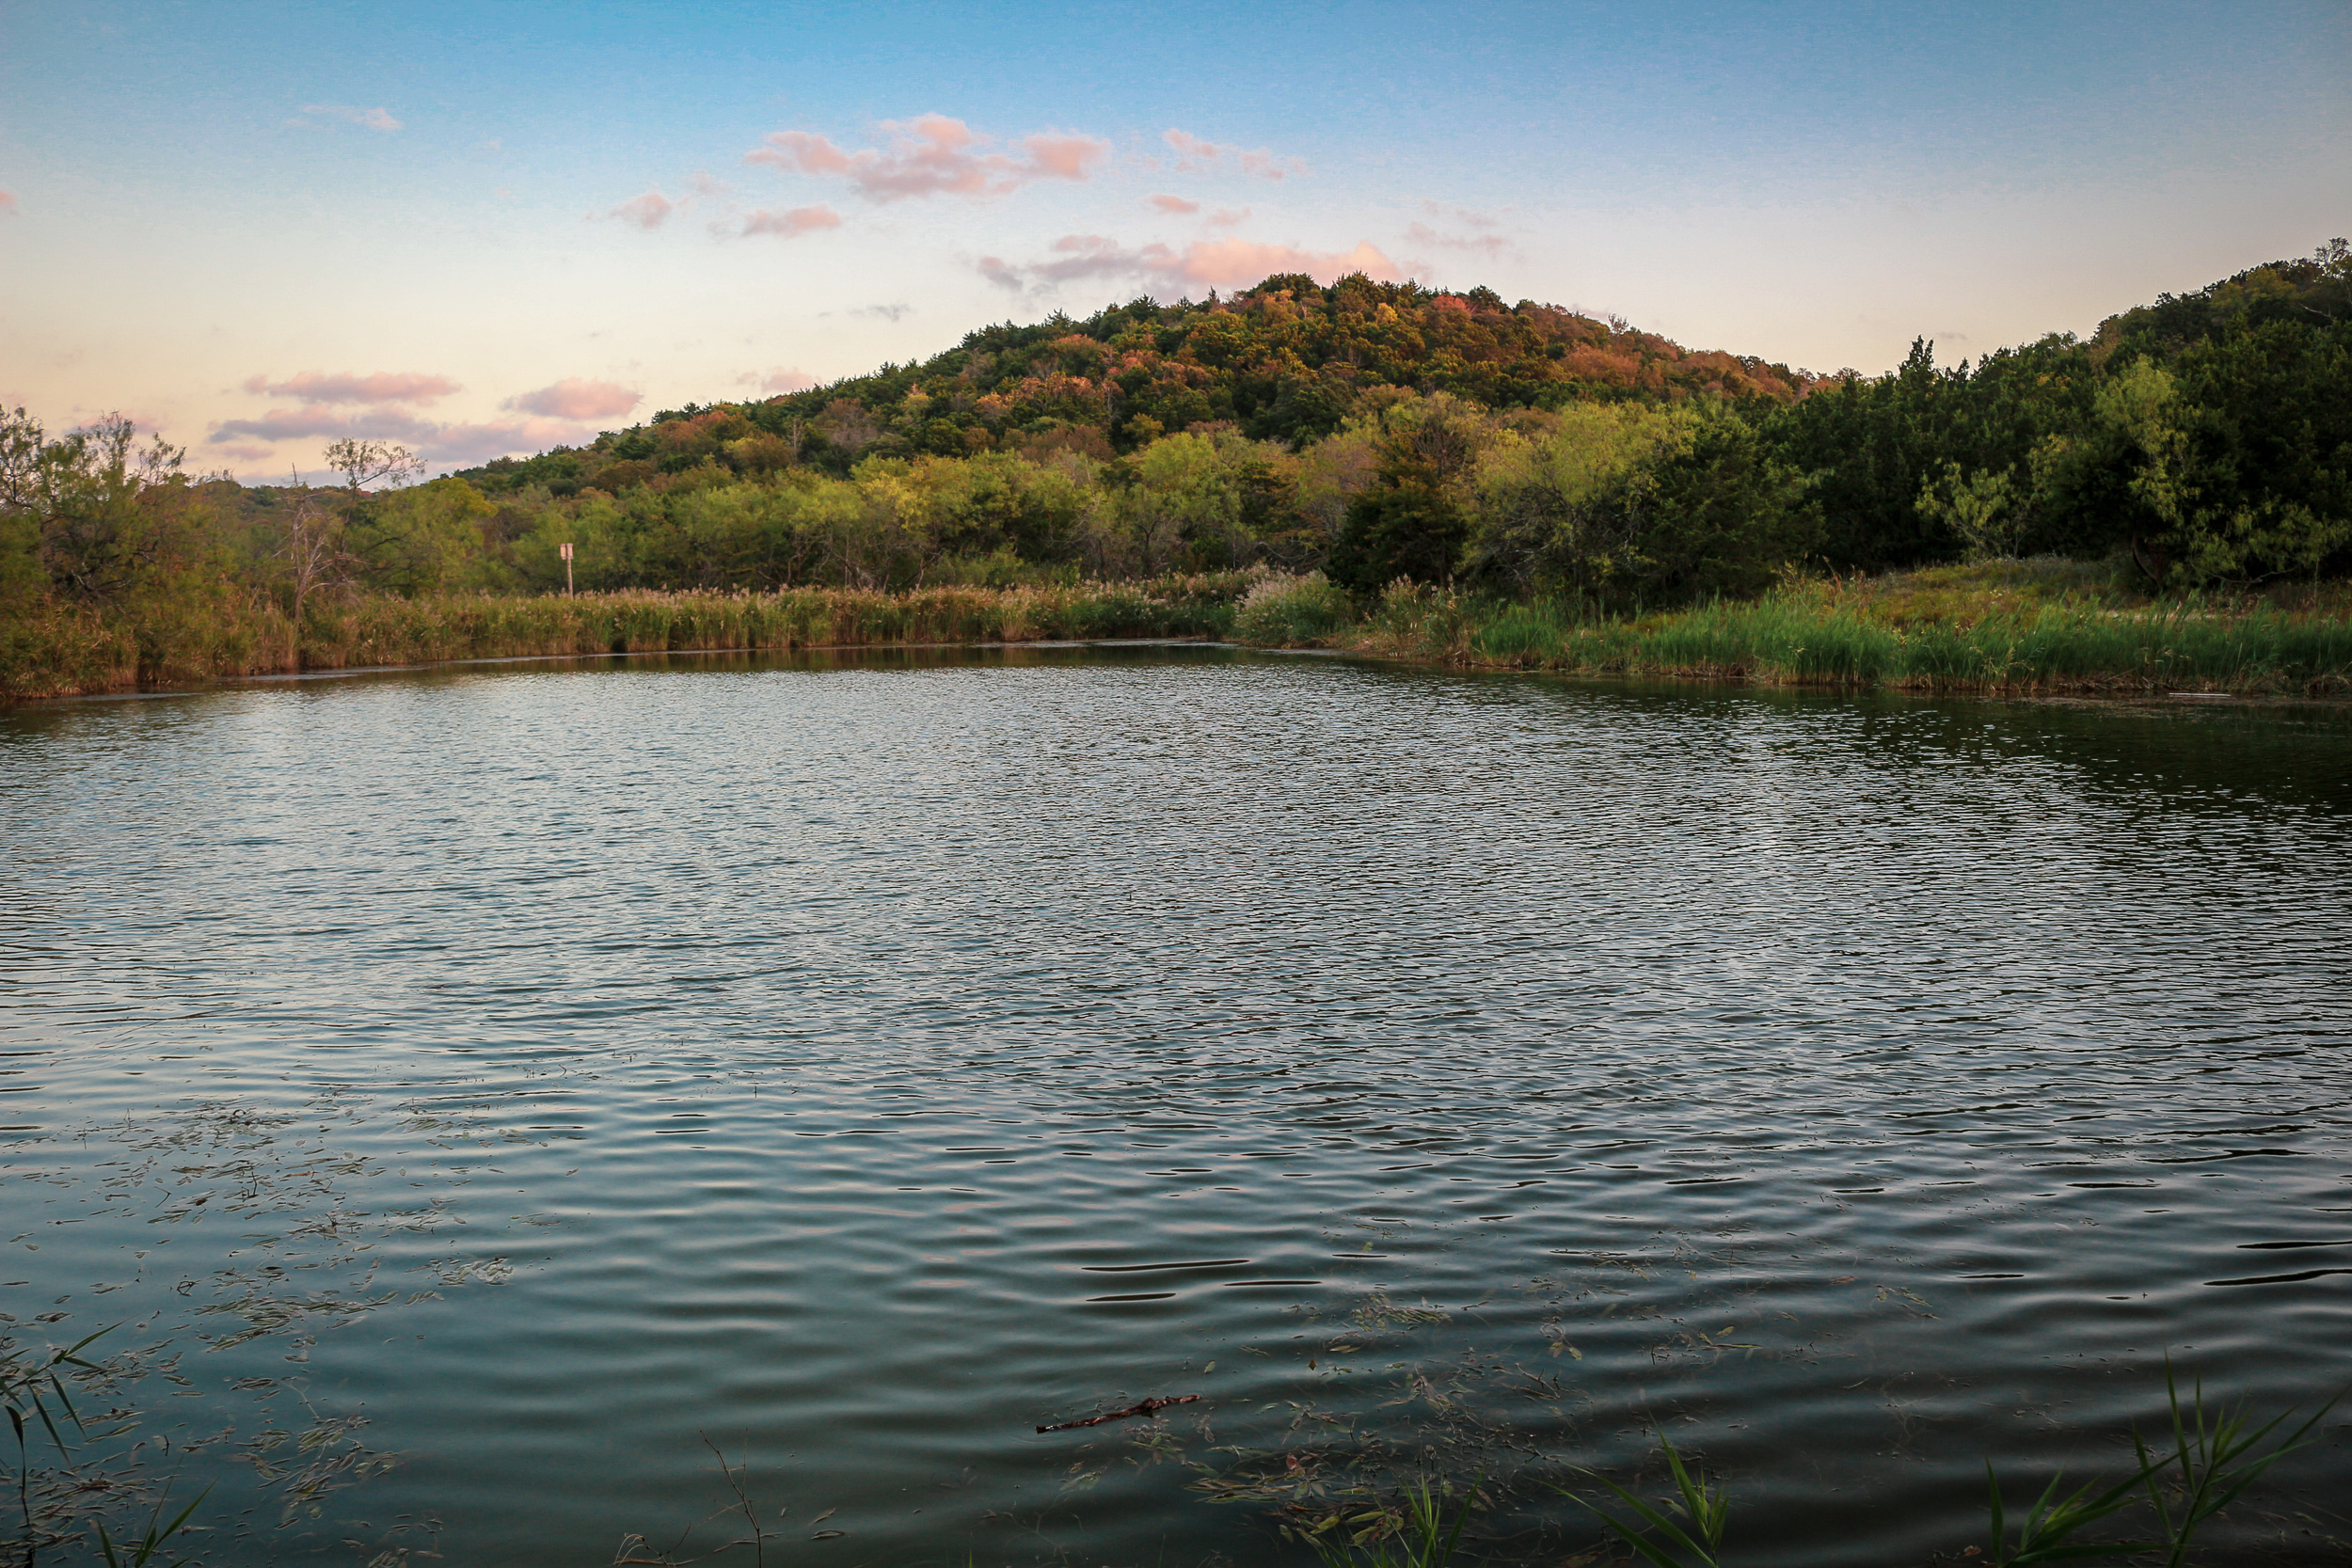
{"type": "Point", "coordinates": [1376, 431]}
{"type": "Point", "coordinates": [1367, 430]}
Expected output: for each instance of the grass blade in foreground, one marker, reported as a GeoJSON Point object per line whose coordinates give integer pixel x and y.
{"type": "Point", "coordinates": [2217, 1459]}
{"type": "Point", "coordinates": [1704, 1507]}
{"type": "Point", "coordinates": [2043, 1535]}
{"type": "Point", "coordinates": [1424, 1543]}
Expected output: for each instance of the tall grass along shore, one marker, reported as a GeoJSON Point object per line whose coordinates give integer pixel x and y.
{"type": "Point", "coordinates": [69, 651]}
{"type": "Point", "coordinates": [1996, 626]}
{"type": "Point", "coordinates": [2043, 625]}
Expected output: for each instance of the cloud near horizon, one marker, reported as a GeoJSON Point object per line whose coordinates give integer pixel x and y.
{"type": "Point", "coordinates": [1489, 245]}
{"type": "Point", "coordinates": [456, 444]}
{"type": "Point", "coordinates": [373, 119]}
{"type": "Point", "coordinates": [1193, 153]}
{"type": "Point", "coordinates": [383, 387]}
{"type": "Point", "coordinates": [1216, 263]}
{"type": "Point", "coordinates": [289, 424]}
{"type": "Point", "coordinates": [577, 399]}
{"type": "Point", "coordinates": [792, 223]}
{"type": "Point", "coordinates": [933, 155]}
{"type": "Point", "coordinates": [782, 379]}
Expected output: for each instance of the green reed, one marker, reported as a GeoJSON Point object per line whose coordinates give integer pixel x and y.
{"type": "Point", "coordinates": [1418, 1538]}
{"type": "Point", "coordinates": [2216, 1455]}
{"type": "Point", "coordinates": [1695, 1542]}
{"type": "Point", "coordinates": [1940, 638]}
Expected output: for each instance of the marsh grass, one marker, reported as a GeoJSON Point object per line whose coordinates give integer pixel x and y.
{"type": "Point", "coordinates": [64, 650]}
{"type": "Point", "coordinates": [2036, 625]}
{"type": "Point", "coordinates": [1363, 1490]}
{"type": "Point", "coordinates": [1292, 612]}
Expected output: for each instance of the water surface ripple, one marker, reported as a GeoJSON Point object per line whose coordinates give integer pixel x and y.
{"type": "Point", "coordinates": [858, 1066]}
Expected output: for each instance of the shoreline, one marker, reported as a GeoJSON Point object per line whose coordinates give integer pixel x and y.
{"type": "Point", "coordinates": [2038, 628]}
{"type": "Point", "coordinates": [2121, 690]}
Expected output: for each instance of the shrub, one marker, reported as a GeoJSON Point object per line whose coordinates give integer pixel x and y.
{"type": "Point", "coordinates": [1292, 612]}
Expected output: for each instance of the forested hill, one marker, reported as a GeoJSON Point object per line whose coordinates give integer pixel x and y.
{"type": "Point", "coordinates": [1288, 360]}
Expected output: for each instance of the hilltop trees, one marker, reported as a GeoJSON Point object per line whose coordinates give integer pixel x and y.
{"type": "Point", "coordinates": [1288, 362]}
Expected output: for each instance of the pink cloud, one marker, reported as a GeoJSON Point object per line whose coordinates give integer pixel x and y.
{"type": "Point", "coordinates": [435, 443]}
{"type": "Point", "coordinates": [383, 387]}
{"type": "Point", "coordinates": [649, 211]}
{"type": "Point", "coordinates": [7, 201]}
{"type": "Point", "coordinates": [783, 380]}
{"type": "Point", "coordinates": [1064, 157]}
{"type": "Point", "coordinates": [374, 120]}
{"type": "Point", "coordinates": [1231, 263]}
{"type": "Point", "coordinates": [932, 155]}
{"type": "Point", "coordinates": [1192, 152]}
{"type": "Point", "coordinates": [287, 424]}
{"type": "Point", "coordinates": [1175, 204]}
{"type": "Point", "coordinates": [1234, 262]}
{"type": "Point", "coordinates": [576, 398]}
{"type": "Point", "coordinates": [1228, 217]}
{"type": "Point", "coordinates": [791, 225]}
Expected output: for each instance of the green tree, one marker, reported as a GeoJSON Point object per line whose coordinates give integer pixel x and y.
{"type": "Point", "coordinates": [425, 539]}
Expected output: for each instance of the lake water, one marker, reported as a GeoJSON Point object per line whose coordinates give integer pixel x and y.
{"type": "Point", "coordinates": [850, 1066]}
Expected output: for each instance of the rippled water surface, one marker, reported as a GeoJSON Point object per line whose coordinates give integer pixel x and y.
{"type": "Point", "coordinates": [855, 1067]}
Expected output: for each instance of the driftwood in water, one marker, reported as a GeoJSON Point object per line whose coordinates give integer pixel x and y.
{"type": "Point", "coordinates": [1146, 1408]}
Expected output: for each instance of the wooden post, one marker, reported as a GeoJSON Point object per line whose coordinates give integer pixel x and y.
{"type": "Point", "coordinates": [567, 571]}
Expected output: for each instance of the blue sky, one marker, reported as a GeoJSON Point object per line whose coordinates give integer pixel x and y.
{"type": "Point", "coordinates": [485, 228]}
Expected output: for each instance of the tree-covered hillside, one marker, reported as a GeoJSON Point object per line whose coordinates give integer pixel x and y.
{"type": "Point", "coordinates": [1286, 361]}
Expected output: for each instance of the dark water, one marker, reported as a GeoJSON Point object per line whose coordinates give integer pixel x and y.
{"type": "Point", "coordinates": [855, 1067]}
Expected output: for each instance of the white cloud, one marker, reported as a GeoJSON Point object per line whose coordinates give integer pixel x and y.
{"type": "Point", "coordinates": [373, 119]}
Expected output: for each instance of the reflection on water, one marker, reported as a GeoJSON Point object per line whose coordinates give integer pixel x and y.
{"type": "Point", "coordinates": [849, 1067]}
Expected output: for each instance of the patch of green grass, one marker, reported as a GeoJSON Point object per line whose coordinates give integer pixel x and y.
{"type": "Point", "coordinates": [1996, 626]}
